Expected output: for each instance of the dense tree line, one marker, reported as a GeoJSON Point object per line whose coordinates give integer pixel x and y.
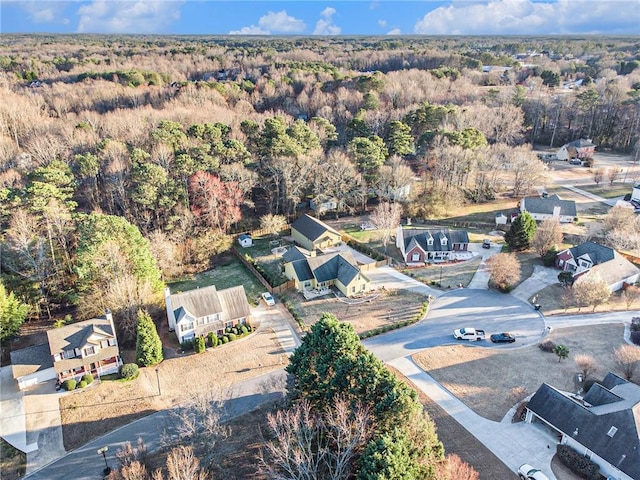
{"type": "Point", "coordinates": [132, 159]}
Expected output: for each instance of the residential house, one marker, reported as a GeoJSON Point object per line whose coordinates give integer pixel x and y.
{"type": "Point", "coordinates": [545, 208]}
{"type": "Point", "coordinates": [577, 149]}
{"type": "Point", "coordinates": [245, 240]}
{"type": "Point", "coordinates": [312, 271]}
{"type": "Point", "coordinates": [203, 310]}
{"type": "Point", "coordinates": [312, 234]}
{"type": "Point", "coordinates": [322, 204]}
{"type": "Point", "coordinates": [420, 246]}
{"type": "Point", "coordinates": [32, 365]}
{"type": "Point", "coordinates": [603, 425]}
{"type": "Point", "coordinates": [90, 347]}
{"type": "Point", "coordinates": [592, 257]}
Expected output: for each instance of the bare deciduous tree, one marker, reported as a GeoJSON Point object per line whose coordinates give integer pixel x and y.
{"type": "Point", "coordinates": [627, 358]}
{"type": "Point", "coordinates": [630, 295]}
{"type": "Point", "coordinates": [591, 290]}
{"type": "Point", "coordinates": [182, 464]}
{"type": "Point", "coordinates": [548, 235]}
{"type": "Point", "coordinates": [598, 175]}
{"type": "Point", "coordinates": [454, 468]}
{"type": "Point", "coordinates": [386, 218]}
{"type": "Point", "coordinates": [505, 271]}
{"type": "Point", "coordinates": [586, 363]}
{"type": "Point", "coordinates": [273, 224]}
{"type": "Point", "coordinates": [312, 446]}
{"type": "Point", "coordinates": [612, 175]}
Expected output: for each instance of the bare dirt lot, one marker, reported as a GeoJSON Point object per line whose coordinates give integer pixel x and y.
{"type": "Point", "coordinates": [121, 402]}
{"type": "Point", "coordinates": [483, 378]}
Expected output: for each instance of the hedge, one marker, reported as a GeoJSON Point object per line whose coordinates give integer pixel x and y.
{"type": "Point", "coordinates": [577, 463]}
{"type": "Point", "coordinates": [198, 344]}
{"type": "Point", "coordinates": [82, 384]}
{"type": "Point", "coordinates": [69, 384]}
{"type": "Point", "coordinates": [87, 378]}
{"type": "Point", "coordinates": [397, 325]}
{"type": "Point", "coordinates": [213, 339]}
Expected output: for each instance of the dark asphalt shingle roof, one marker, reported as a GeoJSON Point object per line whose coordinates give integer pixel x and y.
{"type": "Point", "coordinates": [311, 228]}
{"type": "Point", "coordinates": [591, 426]}
{"type": "Point", "coordinates": [230, 303]}
{"type": "Point", "coordinates": [546, 205]}
{"type": "Point", "coordinates": [413, 237]}
{"type": "Point", "coordinates": [597, 253]}
{"type": "Point", "coordinates": [293, 254]}
{"type": "Point", "coordinates": [31, 359]}
{"type": "Point", "coordinates": [76, 334]}
{"type": "Point", "coordinates": [581, 143]}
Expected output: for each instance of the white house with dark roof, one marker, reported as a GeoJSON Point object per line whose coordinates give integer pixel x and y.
{"type": "Point", "coordinates": [421, 246]}
{"type": "Point", "coordinates": [203, 310]}
{"type": "Point", "coordinates": [591, 257]}
{"type": "Point", "coordinates": [581, 148]}
{"type": "Point", "coordinates": [546, 208]}
{"type": "Point", "coordinates": [312, 271]}
{"type": "Point", "coordinates": [604, 425]}
{"type": "Point", "coordinates": [312, 234]}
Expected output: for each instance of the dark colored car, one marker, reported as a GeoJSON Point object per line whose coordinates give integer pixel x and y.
{"type": "Point", "coordinates": [503, 338]}
{"type": "Point", "coordinates": [486, 243]}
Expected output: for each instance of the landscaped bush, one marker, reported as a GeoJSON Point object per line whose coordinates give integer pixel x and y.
{"type": "Point", "coordinates": [69, 384]}
{"type": "Point", "coordinates": [186, 345]}
{"type": "Point", "coordinates": [635, 324]}
{"type": "Point", "coordinates": [234, 330]}
{"type": "Point", "coordinates": [213, 339]}
{"type": "Point", "coordinates": [232, 337]}
{"type": "Point", "coordinates": [549, 258]}
{"type": "Point", "coordinates": [635, 337]}
{"type": "Point", "coordinates": [82, 384]}
{"type": "Point", "coordinates": [225, 339]}
{"type": "Point", "coordinates": [244, 330]}
{"type": "Point", "coordinates": [249, 328]}
{"type": "Point", "coordinates": [198, 344]}
{"type": "Point", "coordinates": [547, 346]}
{"type": "Point", "coordinates": [578, 464]}
{"type": "Point", "coordinates": [87, 378]}
{"type": "Point", "coordinates": [129, 371]}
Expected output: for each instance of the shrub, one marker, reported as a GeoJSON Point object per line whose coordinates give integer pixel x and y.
{"type": "Point", "coordinates": [635, 337]}
{"type": "Point", "coordinates": [249, 328]}
{"type": "Point", "coordinates": [82, 384]}
{"type": "Point", "coordinates": [186, 345]}
{"type": "Point", "coordinates": [235, 331]}
{"type": "Point", "coordinates": [225, 339]}
{"type": "Point", "coordinates": [198, 344]}
{"type": "Point", "coordinates": [69, 384]}
{"type": "Point", "coordinates": [87, 378]}
{"type": "Point", "coordinates": [232, 337]}
{"type": "Point", "coordinates": [635, 324]}
{"type": "Point", "coordinates": [213, 339]}
{"type": "Point", "coordinates": [547, 346]}
{"type": "Point", "coordinates": [578, 464]}
{"type": "Point", "coordinates": [129, 371]}
{"type": "Point", "coordinates": [244, 330]}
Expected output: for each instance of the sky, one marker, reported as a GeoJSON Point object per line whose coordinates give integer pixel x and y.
{"type": "Point", "coordinates": [322, 17]}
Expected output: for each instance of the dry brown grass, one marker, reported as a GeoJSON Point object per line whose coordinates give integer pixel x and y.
{"type": "Point", "coordinates": [484, 377]}
{"type": "Point", "coordinates": [119, 403]}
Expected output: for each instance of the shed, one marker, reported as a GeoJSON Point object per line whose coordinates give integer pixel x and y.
{"type": "Point", "coordinates": [245, 240]}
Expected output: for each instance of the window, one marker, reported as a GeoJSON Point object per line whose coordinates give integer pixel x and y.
{"type": "Point", "coordinates": [186, 327]}
{"type": "Point", "coordinates": [430, 241]}
{"type": "Point", "coordinates": [69, 354]}
{"type": "Point", "coordinates": [104, 343]}
{"type": "Point", "coordinates": [443, 241]}
{"type": "Point", "coordinates": [89, 351]}
{"type": "Point", "coordinates": [228, 324]}
{"type": "Point", "coordinates": [112, 342]}
{"type": "Point", "coordinates": [415, 257]}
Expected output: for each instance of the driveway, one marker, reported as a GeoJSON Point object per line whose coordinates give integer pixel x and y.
{"type": "Point", "coordinates": [12, 413]}
{"type": "Point", "coordinates": [541, 278]}
{"type": "Point", "coordinates": [389, 278]}
{"type": "Point", "coordinates": [481, 278]}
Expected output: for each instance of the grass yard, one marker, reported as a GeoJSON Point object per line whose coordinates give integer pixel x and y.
{"type": "Point", "coordinates": [446, 274]}
{"type": "Point", "coordinates": [384, 308]}
{"type": "Point", "coordinates": [482, 212]}
{"type": "Point", "coordinates": [483, 378]}
{"type": "Point", "coordinates": [261, 252]}
{"type": "Point", "coordinates": [550, 298]}
{"type": "Point", "coordinates": [605, 190]}
{"type": "Point", "coordinates": [13, 463]}
{"type": "Point", "coordinates": [229, 273]}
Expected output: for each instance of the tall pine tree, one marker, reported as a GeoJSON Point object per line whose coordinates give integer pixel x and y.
{"type": "Point", "coordinates": [148, 343]}
{"type": "Point", "coordinates": [521, 233]}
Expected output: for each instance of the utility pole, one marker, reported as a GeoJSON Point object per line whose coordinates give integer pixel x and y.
{"type": "Point", "coordinates": [158, 380]}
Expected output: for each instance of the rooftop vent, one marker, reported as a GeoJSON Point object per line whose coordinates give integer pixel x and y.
{"type": "Point", "coordinates": [612, 431]}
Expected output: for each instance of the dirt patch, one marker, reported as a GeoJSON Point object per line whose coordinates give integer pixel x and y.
{"type": "Point", "coordinates": [483, 378]}
{"type": "Point", "coordinates": [12, 462]}
{"type": "Point", "coordinates": [448, 274]}
{"type": "Point", "coordinates": [551, 299]}
{"type": "Point", "coordinates": [384, 307]}
{"type": "Point", "coordinates": [96, 410]}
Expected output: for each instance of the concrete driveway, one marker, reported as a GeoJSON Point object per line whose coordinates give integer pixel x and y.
{"type": "Point", "coordinates": [12, 413]}
{"type": "Point", "coordinates": [390, 278]}
{"type": "Point", "coordinates": [541, 278]}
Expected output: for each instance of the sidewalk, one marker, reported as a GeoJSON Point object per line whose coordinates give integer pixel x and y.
{"type": "Point", "coordinates": [513, 443]}
{"type": "Point", "coordinates": [609, 201]}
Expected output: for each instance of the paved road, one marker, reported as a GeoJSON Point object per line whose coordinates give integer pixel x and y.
{"type": "Point", "coordinates": [484, 309]}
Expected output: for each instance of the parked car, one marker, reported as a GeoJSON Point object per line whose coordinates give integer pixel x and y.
{"type": "Point", "coordinates": [527, 472]}
{"type": "Point", "coordinates": [575, 161]}
{"type": "Point", "coordinates": [486, 243]}
{"type": "Point", "coordinates": [268, 299]}
{"type": "Point", "coordinates": [468, 334]}
{"type": "Point", "coordinates": [503, 337]}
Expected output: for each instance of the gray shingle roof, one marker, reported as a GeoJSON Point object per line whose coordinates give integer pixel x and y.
{"type": "Point", "coordinates": [230, 303]}
{"type": "Point", "coordinates": [31, 359]}
{"type": "Point", "coordinates": [581, 143]}
{"type": "Point", "coordinates": [591, 425]}
{"type": "Point", "coordinates": [303, 272]}
{"type": "Point", "coordinates": [311, 228]}
{"type": "Point", "coordinates": [598, 253]}
{"type": "Point", "coordinates": [293, 254]}
{"type": "Point", "coordinates": [76, 334]}
{"type": "Point", "coordinates": [340, 266]}
{"type": "Point", "coordinates": [421, 237]}
{"type": "Point", "coordinates": [546, 205]}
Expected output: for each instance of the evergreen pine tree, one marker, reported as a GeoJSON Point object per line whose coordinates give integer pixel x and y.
{"type": "Point", "coordinates": [522, 230]}
{"type": "Point", "coordinates": [148, 343]}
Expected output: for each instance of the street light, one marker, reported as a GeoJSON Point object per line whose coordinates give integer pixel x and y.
{"type": "Point", "coordinates": [158, 380]}
{"type": "Point", "coordinates": [103, 451]}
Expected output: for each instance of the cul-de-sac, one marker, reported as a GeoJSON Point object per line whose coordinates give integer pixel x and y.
{"type": "Point", "coordinates": [319, 257]}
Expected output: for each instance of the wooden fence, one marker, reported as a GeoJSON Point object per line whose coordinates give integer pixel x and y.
{"type": "Point", "coordinates": [288, 285]}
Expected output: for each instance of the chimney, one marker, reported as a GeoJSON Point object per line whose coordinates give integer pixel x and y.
{"type": "Point", "coordinates": [109, 318]}
{"type": "Point", "coordinates": [556, 212]}
{"type": "Point", "coordinates": [170, 315]}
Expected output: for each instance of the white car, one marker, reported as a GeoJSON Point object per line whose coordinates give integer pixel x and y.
{"type": "Point", "coordinates": [527, 472]}
{"type": "Point", "coordinates": [469, 333]}
{"type": "Point", "coordinates": [268, 299]}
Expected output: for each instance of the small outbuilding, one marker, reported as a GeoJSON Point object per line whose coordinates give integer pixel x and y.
{"type": "Point", "coordinates": [245, 240]}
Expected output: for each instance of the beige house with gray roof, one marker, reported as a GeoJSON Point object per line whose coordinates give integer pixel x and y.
{"type": "Point", "coordinates": [203, 310]}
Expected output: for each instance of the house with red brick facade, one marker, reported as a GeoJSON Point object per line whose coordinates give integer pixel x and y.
{"type": "Point", "coordinates": [422, 246]}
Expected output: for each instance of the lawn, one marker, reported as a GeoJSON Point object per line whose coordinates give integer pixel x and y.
{"type": "Point", "coordinates": [272, 264]}
{"type": "Point", "coordinates": [605, 190]}
{"type": "Point", "coordinates": [550, 298]}
{"type": "Point", "coordinates": [483, 378]}
{"type": "Point", "coordinates": [229, 273]}
{"type": "Point", "coordinates": [447, 274]}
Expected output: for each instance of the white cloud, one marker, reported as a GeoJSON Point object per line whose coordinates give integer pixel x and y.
{"type": "Point", "coordinates": [526, 17]}
{"type": "Point", "coordinates": [45, 12]}
{"type": "Point", "coordinates": [273, 22]}
{"type": "Point", "coordinates": [382, 23]}
{"type": "Point", "coordinates": [395, 31]}
{"type": "Point", "coordinates": [325, 25]}
{"type": "Point", "coordinates": [128, 16]}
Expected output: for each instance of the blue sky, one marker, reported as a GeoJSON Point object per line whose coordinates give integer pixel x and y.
{"type": "Point", "coordinates": [321, 17]}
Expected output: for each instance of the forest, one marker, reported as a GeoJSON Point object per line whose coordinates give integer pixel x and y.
{"type": "Point", "coordinates": [127, 161]}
